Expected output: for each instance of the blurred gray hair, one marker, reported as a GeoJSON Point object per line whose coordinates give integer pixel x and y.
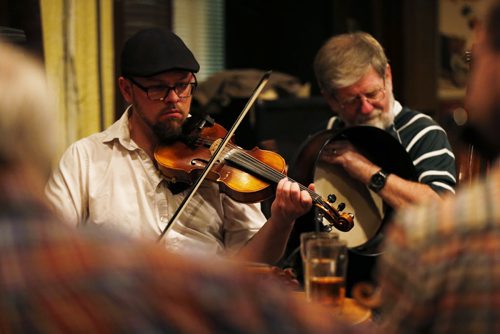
{"type": "Point", "coordinates": [345, 58]}
{"type": "Point", "coordinates": [27, 110]}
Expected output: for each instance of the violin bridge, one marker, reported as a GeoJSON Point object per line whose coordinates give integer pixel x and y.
{"type": "Point", "coordinates": [214, 145]}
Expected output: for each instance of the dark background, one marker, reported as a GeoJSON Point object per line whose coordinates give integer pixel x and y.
{"type": "Point", "coordinates": [284, 35]}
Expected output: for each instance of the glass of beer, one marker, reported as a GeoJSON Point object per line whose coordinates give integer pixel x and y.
{"type": "Point", "coordinates": [305, 237]}
{"type": "Point", "coordinates": [325, 271]}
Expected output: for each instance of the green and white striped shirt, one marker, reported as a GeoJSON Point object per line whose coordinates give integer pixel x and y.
{"type": "Point", "coordinates": [426, 143]}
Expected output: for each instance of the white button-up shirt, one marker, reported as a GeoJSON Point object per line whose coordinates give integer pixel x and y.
{"type": "Point", "coordinates": [106, 179]}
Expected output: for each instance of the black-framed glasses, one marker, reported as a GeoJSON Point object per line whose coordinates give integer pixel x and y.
{"type": "Point", "coordinates": [371, 97]}
{"type": "Point", "coordinates": [160, 92]}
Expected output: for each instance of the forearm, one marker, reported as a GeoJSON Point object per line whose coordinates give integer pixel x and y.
{"type": "Point", "coordinates": [268, 244]}
{"type": "Point", "coordinates": [399, 192]}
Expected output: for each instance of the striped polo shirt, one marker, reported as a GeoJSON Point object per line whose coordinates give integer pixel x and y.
{"type": "Point", "coordinates": [426, 143]}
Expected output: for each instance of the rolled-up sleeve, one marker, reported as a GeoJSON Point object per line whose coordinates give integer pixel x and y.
{"type": "Point", "coordinates": [241, 222]}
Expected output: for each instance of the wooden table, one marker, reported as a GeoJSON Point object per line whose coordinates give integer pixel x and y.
{"type": "Point", "coordinates": [352, 312]}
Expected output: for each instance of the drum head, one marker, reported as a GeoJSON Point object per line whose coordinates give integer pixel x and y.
{"type": "Point", "coordinates": [366, 206]}
{"type": "Point", "coordinates": [370, 212]}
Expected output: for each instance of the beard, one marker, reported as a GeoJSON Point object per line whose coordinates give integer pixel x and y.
{"type": "Point", "coordinates": [165, 131]}
{"type": "Point", "coordinates": [378, 118]}
{"type": "Point", "coordinates": [168, 131]}
{"type": "Point", "coordinates": [382, 120]}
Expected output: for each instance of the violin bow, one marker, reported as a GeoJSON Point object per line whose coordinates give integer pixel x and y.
{"type": "Point", "coordinates": [215, 156]}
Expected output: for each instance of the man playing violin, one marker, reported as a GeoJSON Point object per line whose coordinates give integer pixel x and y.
{"type": "Point", "coordinates": [355, 79]}
{"type": "Point", "coordinates": [110, 178]}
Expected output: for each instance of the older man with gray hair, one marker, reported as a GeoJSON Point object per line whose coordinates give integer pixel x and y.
{"type": "Point", "coordinates": [355, 79]}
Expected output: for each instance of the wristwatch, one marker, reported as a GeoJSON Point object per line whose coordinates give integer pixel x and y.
{"type": "Point", "coordinates": [377, 181]}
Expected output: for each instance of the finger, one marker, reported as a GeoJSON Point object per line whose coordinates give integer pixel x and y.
{"type": "Point", "coordinates": [294, 192]}
{"type": "Point", "coordinates": [287, 186]}
{"type": "Point", "coordinates": [280, 188]}
{"type": "Point", "coordinates": [341, 147]}
{"type": "Point", "coordinates": [329, 150]}
{"type": "Point", "coordinates": [341, 144]}
{"type": "Point", "coordinates": [312, 187]}
{"type": "Point", "coordinates": [305, 199]}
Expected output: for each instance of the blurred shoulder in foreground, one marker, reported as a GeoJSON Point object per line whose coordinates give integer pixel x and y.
{"type": "Point", "coordinates": [440, 271]}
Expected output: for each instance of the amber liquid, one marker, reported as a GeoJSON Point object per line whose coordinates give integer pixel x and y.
{"type": "Point", "coordinates": [327, 290]}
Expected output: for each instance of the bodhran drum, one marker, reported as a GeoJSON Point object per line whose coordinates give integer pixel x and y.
{"type": "Point", "coordinates": [370, 212]}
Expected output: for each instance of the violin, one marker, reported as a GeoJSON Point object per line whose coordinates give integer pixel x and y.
{"type": "Point", "coordinates": [246, 176]}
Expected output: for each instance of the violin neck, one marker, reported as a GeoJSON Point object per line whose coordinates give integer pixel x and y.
{"type": "Point", "coordinates": [259, 169]}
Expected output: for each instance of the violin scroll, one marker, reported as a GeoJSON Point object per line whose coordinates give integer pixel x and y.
{"type": "Point", "coordinates": [342, 221]}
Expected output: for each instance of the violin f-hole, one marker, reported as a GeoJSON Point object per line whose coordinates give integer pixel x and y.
{"type": "Point", "coordinates": [198, 162]}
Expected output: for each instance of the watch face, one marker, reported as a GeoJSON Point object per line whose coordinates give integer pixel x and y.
{"type": "Point", "coordinates": [378, 180]}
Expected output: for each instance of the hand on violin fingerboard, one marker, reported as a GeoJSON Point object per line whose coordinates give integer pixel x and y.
{"type": "Point", "coordinates": [291, 202]}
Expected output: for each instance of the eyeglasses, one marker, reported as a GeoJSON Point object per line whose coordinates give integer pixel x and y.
{"type": "Point", "coordinates": [159, 93]}
{"type": "Point", "coordinates": [370, 97]}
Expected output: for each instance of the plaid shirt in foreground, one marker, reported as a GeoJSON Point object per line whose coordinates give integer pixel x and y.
{"type": "Point", "coordinates": [441, 269]}
{"type": "Point", "coordinates": [60, 280]}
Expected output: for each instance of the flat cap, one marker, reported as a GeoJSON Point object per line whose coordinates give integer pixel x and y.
{"type": "Point", "coordinates": [156, 50]}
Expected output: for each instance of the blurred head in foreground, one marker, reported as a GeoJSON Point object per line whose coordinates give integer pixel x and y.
{"type": "Point", "coordinates": [440, 271]}
{"type": "Point", "coordinates": [483, 95]}
{"type": "Point", "coordinates": [27, 116]}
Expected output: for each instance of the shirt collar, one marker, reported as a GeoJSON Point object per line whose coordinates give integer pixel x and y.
{"type": "Point", "coordinates": [120, 131]}
{"type": "Point", "coordinates": [396, 108]}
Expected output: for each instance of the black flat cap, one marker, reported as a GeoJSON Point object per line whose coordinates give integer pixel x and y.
{"type": "Point", "coordinates": [156, 50]}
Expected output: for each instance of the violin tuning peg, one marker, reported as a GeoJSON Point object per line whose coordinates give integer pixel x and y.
{"type": "Point", "coordinates": [331, 198]}
{"type": "Point", "coordinates": [341, 207]}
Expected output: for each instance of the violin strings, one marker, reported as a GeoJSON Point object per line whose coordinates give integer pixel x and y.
{"type": "Point", "coordinates": [248, 161]}
{"type": "Point", "coordinates": [271, 174]}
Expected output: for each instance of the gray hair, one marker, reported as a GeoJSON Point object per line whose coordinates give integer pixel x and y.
{"type": "Point", "coordinates": [27, 110]}
{"type": "Point", "coordinates": [345, 58]}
